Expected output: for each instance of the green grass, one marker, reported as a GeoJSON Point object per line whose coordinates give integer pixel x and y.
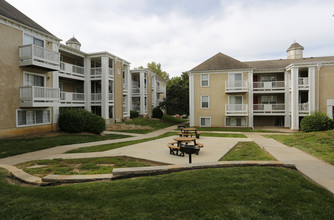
{"type": "Point", "coordinates": [156, 124]}
{"type": "Point", "coordinates": [15, 146]}
{"type": "Point", "coordinates": [237, 130]}
{"type": "Point", "coordinates": [106, 147]}
{"type": "Point", "coordinates": [138, 131]}
{"type": "Point", "coordinates": [223, 135]}
{"type": "Point", "coordinates": [230, 193]}
{"type": "Point", "coordinates": [247, 151]}
{"type": "Point", "coordinates": [103, 165]}
{"type": "Point", "coordinates": [319, 144]}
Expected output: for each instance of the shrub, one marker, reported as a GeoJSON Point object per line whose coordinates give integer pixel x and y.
{"type": "Point", "coordinates": [77, 120]}
{"type": "Point", "coordinates": [134, 114]}
{"type": "Point", "coordinates": [317, 121]}
{"type": "Point", "coordinates": [157, 113]}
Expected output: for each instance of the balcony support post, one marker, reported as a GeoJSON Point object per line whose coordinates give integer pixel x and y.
{"type": "Point", "coordinates": [87, 84]}
{"type": "Point", "coordinates": [105, 87]}
{"type": "Point", "coordinates": [311, 94]}
{"type": "Point", "coordinates": [294, 99]}
{"type": "Point", "coordinates": [287, 99]}
{"type": "Point", "coordinates": [250, 100]}
{"type": "Point", "coordinates": [142, 92]}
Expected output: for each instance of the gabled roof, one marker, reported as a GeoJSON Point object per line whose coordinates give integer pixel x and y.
{"type": "Point", "coordinates": [73, 40]}
{"type": "Point", "coordinates": [220, 62]}
{"type": "Point", "coordinates": [9, 11]}
{"type": "Point", "coordinates": [295, 46]}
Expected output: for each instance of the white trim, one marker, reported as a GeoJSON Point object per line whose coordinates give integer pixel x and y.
{"type": "Point", "coordinates": [201, 81]}
{"type": "Point", "coordinates": [32, 125]}
{"type": "Point", "coordinates": [202, 102]}
{"type": "Point", "coordinates": [200, 124]}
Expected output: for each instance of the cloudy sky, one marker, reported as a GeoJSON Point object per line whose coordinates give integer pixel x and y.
{"type": "Point", "coordinates": [180, 34]}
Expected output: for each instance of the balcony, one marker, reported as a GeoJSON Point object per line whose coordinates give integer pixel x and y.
{"type": "Point", "coordinates": [263, 109]}
{"type": "Point", "coordinates": [236, 109]}
{"type": "Point", "coordinates": [96, 73]}
{"type": "Point", "coordinates": [72, 99]}
{"type": "Point", "coordinates": [96, 98]}
{"type": "Point", "coordinates": [274, 86]}
{"type": "Point", "coordinates": [35, 96]}
{"type": "Point", "coordinates": [160, 89]}
{"type": "Point", "coordinates": [303, 108]}
{"type": "Point", "coordinates": [71, 70]}
{"type": "Point", "coordinates": [135, 107]}
{"type": "Point", "coordinates": [303, 82]}
{"type": "Point", "coordinates": [33, 55]}
{"type": "Point", "coordinates": [236, 86]}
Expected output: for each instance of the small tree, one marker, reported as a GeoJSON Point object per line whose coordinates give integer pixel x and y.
{"type": "Point", "coordinates": [317, 121]}
{"type": "Point", "coordinates": [157, 113]}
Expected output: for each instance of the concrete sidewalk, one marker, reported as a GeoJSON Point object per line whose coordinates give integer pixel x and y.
{"type": "Point", "coordinates": [37, 155]}
{"type": "Point", "coordinates": [317, 170]}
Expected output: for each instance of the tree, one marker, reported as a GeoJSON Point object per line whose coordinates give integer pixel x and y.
{"type": "Point", "coordinates": [156, 68]}
{"type": "Point", "coordinates": [177, 97]}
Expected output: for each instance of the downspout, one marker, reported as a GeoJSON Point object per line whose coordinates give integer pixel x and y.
{"type": "Point", "coordinates": [318, 85]}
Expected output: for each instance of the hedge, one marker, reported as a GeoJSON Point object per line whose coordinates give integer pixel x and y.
{"type": "Point", "coordinates": [317, 121]}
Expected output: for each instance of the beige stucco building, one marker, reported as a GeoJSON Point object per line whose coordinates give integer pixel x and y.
{"type": "Point", "coordinates": [225, 92]}
{"type": "Point", "coordinates": [39, 75]}
{"type": "Point", "coordinates": [148, 91]}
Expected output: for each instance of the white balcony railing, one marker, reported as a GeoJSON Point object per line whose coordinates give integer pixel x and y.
{"type": "Point", "coordinates": [135, 107]}
{"type": "Point", "coordinates": [35, 55]}
{"type": "Point", "coordinates": [95, 72]}
{"type": "Point", "coordinates": [160, 89]}
{"type": "Point", "coordinates": [269, 86]}
{"type": "Point", "coordinates": [72, 98]}
{"type": "Point", "coordinates": [303, 82]}
{"type": "Point", "coordinates": [236, 109]}
{"type": "Point", "coordinates": [303, 108]}
{"type": "Point", "coordinates": [73, 70]}
{"type": "Point", "coordinates": [268, 108]}
{"type": "Point", "coordinates": [111, 97]}
{"type": "Point", "coordinates": [34, 96]}
{"type": "Point", "coordinates": [135, 90]}
{"type": "Point", "coordinates": [96, 98]}
{"type": "Point", "coordinates": [236, 86]}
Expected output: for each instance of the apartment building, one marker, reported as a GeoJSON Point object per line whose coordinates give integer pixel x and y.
{"type": "Point", "coordinates": [39, 75]}
{"type": "Point", "coordinates": [225, 92]}
{"type": "Point", "coordinates": [148, 91]}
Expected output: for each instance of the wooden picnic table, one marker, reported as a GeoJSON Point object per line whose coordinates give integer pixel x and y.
{"type": "Point", "coordinates": [184, 140]}
{"type": "Point", "coordinates": [186, 132]}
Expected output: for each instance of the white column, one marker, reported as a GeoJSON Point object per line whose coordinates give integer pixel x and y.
{"type": "Point", "coordinates": [287, 99]}
{"type": "Point", "coordinates": [294, 99]}
{"type": "Point", "coordinates": [330, 104]}
{"type": "Point", "coordinates": [191, 100]}
{"type": "Point", "coordinates": [250, 100]}
{"type": "Point", "coordinates": [87, 84]}
{"type": "Point", "coordinates": [105, 88]}
{"type": "Point", "coordinates": [154, 92]}
{"type": "Point", "coordinates": [142, 92]}
{"type": "Point", "coordinates": [55, 111]}
{"type": "Point", "coordinates": [311, 94]}
{"type": "Point", "coordinates": [129, 86]}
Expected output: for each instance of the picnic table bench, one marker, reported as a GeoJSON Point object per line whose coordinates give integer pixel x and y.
{"type": "Point", "coordinates": [174, 147]}
{"type": "Point", "coordinates": [186, 132]}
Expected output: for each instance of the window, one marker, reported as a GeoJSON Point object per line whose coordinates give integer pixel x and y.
{"type": "Point", "coordinates": [205, 102]}
{"type": "Point", "coordinates": [205, 122]}
{"type": "Point", "coordinates": [32, 117]}
{"type": "Point", "coordinates": [204, 80]}
{"type": "Point", "coordinates": [236, 122]}
{"type": "Point", "coordinates": [234, 77]}
{"type": "Point", "coordinates": [34, 80]}
{"type": "Point", "coordinates": [268, 99]}
{"type": "Point", "coordinates": [268, 78]}
{"type": "Point", "coordinates": [235, 99]}
{"type": "Point", "coordinates": [27, 39]}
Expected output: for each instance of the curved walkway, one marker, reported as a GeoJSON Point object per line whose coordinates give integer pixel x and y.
{"type": "Point", "coordinates": [317, 170]}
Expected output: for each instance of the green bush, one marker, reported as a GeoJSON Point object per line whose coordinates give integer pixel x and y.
{"type": "Point", "coordinates": [157, 113]}
{"type": "Point", "coordinates": [77, 120]}
{"type": "Point", "coordinates": [134, 114]}
{"type": "Point", "coordinates": [317, 121]}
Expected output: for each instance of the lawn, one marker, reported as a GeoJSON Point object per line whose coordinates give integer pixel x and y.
{"type": "Point", "coordinates": [101, 165]}
{"type": "Point", "coordinates": [319, 144]}
{"type": "Point", "coordinates": [14, 146]}
{"type": "Point", "coordinates": [156, 124]}
{"type": "Point", "coordinates": [229, 135]}
{"type": "Point", "coordinates": [106, 147]}
{"type": "Point", "coordinates": [247, 151]}
{"type": "Point", "coordinates": [229, 193]}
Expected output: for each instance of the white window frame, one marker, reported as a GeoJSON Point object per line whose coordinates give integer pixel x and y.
{"type": "Point", "coordinates": [229, 76]}
{"type": "Point", "coordinates": [270, 101]}
{"type": "Point", "coordinates": [36, 74]}
{"type": "Point", "coordinates": [35, 124]}
{"type": "Point", "coordinates": [202, 80]}
{"type": "Point", "coordinates": [242, 118]}
{"type": "Point", "coordinates": [200, 120]}
{"type": "Point", "coordinates": [268, 75]}
{"type": "Point", "coordinates": [202, 102]}
{"type": "Point", "coordinates": [34, 37]}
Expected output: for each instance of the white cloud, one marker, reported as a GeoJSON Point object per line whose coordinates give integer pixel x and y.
{"type": "Point", "coordinates": [182, 34]}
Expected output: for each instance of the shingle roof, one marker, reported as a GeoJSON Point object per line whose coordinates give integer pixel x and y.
{"type": "Point", "coordinates": [9, 11]}
{"type": "Point", "coordinates": [282, 63]}
{"type": "Point", "coordinates": [295, 46]}
{"type": "Point", "coordinates": [220, 62]}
